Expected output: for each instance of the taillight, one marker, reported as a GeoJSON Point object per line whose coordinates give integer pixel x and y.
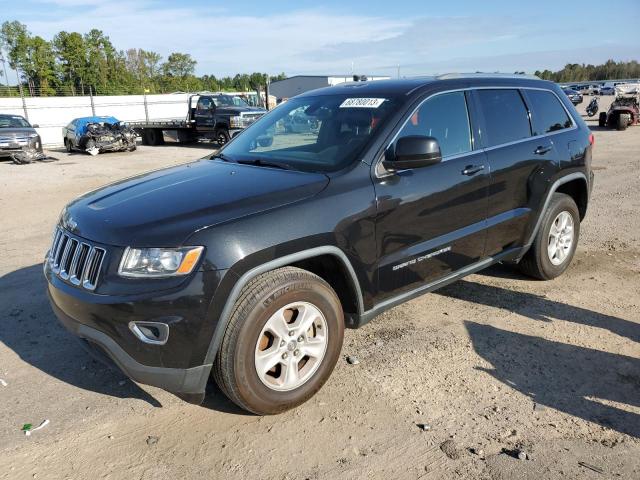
{"type": "Point", "coordinates": [592, 139]}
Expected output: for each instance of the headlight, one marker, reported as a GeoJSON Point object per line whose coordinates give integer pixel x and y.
{"type": "Point", "coordinates": [159, 262]}
{"type": "Point", "coordinates": [240, 121]}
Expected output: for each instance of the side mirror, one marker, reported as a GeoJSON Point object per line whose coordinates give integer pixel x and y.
{"type": "Point", "coordinates": [35, 125]}
{"type": "Point", "coordinates": [414, 151]}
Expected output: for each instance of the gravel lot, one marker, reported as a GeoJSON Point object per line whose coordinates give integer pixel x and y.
{"type": "Point", "coordinates": [453, 384]}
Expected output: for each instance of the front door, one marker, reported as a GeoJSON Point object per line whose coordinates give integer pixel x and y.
{"type": "Point", "coordinates": [430, 220]}
{"type": "Point", "coordinates": [205, 114]}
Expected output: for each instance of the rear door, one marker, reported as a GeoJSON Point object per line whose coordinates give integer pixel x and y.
{"type": "Point", "coordinates": [431, 220]}
{"type": "Point", "coordinates": [521, 163]}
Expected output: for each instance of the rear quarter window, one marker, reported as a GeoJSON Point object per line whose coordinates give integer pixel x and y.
{"type": "Point", "coordinates": [547, 113]}
{"type": "Point", "coordinates": [505, 114]}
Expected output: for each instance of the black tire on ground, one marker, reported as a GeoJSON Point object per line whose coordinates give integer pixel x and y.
{"type": "Point", "coordinates": [153, 136]}
{"type": "Point", "coordinates": [536, 262]}
{"type": "Point", "coordinates": [234, 369]}
{"type": "Point", "coordinates": [623, 122]}
{"type": "Point", "coordinates": [602, 119]}
{"type": "Point", "coordinates": [221, 136]}
{"type": "Point", "coordinates": [67, 145]}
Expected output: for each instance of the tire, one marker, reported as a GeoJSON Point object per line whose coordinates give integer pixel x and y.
{"type": "Point", "coordinates": [67, 145]}
{"type": "Point", "coordinates": [602, 119]}
{"type": "Point", "coordinates": [154, 136]}
{"type": "Point", "coordinates": [221, 136]}
{"type": "Point", "coordinates": [537, 262]}
{"type": "Point", "coordinates": [260, 301]}
{"type": "Point", "coordinates": [623, 122]}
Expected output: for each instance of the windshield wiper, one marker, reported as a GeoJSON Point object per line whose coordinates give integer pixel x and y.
{"type": "Point", "coordinates": [266, 163]}
{"type": "Point", "coordinates": [221, 156]}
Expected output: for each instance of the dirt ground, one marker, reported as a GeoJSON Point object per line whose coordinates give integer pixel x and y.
{"type": "Point", "coordinates": [454, 384]}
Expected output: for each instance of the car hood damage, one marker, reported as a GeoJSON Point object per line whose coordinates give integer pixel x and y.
{"type": "Point", "coordinates": [105, 135]}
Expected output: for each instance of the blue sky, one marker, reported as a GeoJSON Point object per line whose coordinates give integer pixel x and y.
{"type": "Point", "coordinates": [318, 37]}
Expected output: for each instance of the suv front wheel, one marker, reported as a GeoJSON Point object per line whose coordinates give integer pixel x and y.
{"type": "Point", "coordinates": [282, 342]}
{"type": "Point", "coordinates": [556, 240]}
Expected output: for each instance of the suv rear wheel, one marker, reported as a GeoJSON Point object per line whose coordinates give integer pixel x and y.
{"type": "Point", "coordinates": [556, 240]}
{"type": "Point", "coordinates": [282, 342]}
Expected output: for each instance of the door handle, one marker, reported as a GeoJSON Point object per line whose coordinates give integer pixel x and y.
{"type": "Point", "coordinates": [472, 169]}
{"type": "Point", "coordinates": [541, 150]}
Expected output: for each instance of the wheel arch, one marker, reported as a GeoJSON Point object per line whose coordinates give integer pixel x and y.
{"type": "Point", "coordinates": [572, 184]}
{"type": "Point", "coordinates": [328, 262]}
{"type": "Point", "coordinates": [576, 189]}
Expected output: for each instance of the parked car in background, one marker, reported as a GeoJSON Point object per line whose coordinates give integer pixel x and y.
{"type": "Point", "coordinates": [98, 134]}
{"type": "Point", "coordinates": [17, 135]}
{"type": "Point", "coordinates": [607, 90]}
{"type": "Point", "coordinates": [248, 265]}
{"type": "Point", "coordinates": [574, 96]}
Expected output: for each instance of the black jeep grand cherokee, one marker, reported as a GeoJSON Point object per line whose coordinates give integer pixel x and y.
{"type": "Point", "coordinates": [248, 265]}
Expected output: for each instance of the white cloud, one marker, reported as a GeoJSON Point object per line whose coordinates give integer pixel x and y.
{"type": "Point", "coordinates": [228, 41]}
{"type": "Point", "coordinates": [224, 42]}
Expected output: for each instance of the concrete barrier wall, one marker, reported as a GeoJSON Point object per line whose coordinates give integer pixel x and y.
{"type": "Point", "coordinates": [53, 113]}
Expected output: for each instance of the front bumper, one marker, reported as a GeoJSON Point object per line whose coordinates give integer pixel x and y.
{"type": "Point", "coordinates": [102, 321]}
{"type": "Point", "coordinates": [188, 383]}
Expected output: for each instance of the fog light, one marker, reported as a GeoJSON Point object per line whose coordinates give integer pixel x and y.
{"type": "Point", "coordinates": [153, 333]}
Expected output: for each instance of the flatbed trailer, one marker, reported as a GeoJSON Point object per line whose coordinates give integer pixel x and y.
{"type": "Point", "coordinates": [214, 117]}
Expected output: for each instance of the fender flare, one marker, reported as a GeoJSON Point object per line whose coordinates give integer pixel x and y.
{"type": "Point", "coordinates": [249, 275]}
{"type": "Point", "coordinates": [552, 190]}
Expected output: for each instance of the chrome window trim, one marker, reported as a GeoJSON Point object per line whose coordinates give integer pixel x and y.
{"type": "Point", "coordinates": [574, 126]}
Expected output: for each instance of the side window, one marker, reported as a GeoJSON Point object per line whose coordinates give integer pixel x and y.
{"type": "Point", "coordinates": [505, 115]}
{"type": "Point", "coordinates": [204, 103]}
{"type": "Point", "coordinates": [547, 114]}
{"type": "Point", "coordinates": [445, 118]}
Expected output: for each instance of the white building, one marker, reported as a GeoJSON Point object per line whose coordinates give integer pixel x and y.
{"type": "Point", "coordinates": [292, 86]}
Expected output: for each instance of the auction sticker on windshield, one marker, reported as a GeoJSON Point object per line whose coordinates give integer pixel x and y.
{"type": "Point", "coordinates": [362, 102]}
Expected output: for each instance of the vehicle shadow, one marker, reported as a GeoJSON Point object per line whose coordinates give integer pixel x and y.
{"type": "Point", "coordinates": [29, 328]}
{"type": "Point", "coordinates": [579, 381]}
{"type": "Point", "coordinates": [537, 307]}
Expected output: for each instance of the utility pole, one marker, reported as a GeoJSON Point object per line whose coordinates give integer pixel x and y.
{"type": "Point", "coordinates": [4, 67]}
{"type": "Point", "coordinates": [398, 71]}
{"type": "Point", "coordinates": [24, 103]}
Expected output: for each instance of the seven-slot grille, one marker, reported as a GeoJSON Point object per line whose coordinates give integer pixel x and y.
{"type": "Point", "coordinates": [75, 260]}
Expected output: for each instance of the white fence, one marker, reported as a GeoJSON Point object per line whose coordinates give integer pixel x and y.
{"type": "Point", "coordinates": [53, 113]}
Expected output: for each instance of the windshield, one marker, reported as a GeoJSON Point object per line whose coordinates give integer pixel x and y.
{"type": "Point", "coordinates": [321, 134]}
{"type": "Point", "coordinates": [229, 101]}
{"type": "Point", "coordinates": [13, 121]}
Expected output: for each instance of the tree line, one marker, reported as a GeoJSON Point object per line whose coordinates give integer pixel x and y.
{"type": "Point", "coordinates": [77, 64]}
{"type": "Point", "coordinates": [576, 72]}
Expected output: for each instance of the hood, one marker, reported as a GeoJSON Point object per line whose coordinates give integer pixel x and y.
{"type": "Point", "coordinates": [164, 207]}
{"type": "Point", "coordinates": [19, 131]}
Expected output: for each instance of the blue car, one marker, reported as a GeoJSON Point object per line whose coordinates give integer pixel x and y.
{"type": "Point", "coordinates": [98, 134]}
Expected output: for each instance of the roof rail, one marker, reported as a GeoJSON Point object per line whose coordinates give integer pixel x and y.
{"type": "Point", "coordinates": [449, 76]}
